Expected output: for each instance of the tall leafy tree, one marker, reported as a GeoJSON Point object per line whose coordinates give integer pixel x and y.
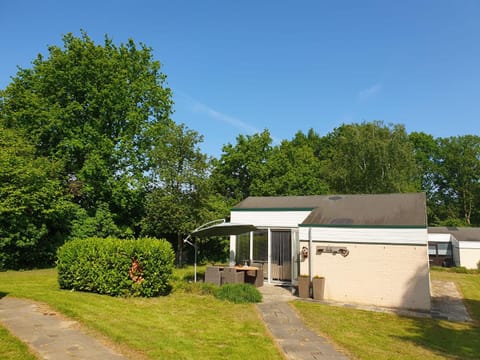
{"type": "Point", "coordinates": [35, 211]}
{"type": "Point", "coordinates": [369, 158]}
{"type": "Point", "coordinates": [457, 178]}
{"type": "Point", "coordinates": [90, 108]}
{"type": "Point", "coordinates": [242, 164]}
{"type": "Point", "coordinates": [291, 169]}
{"type": "Point", "coordinates": [426, 152]}
{"type": "Point", "coordinates": [180, 198]}
{"type": "Point", "coordinates": [311, 139]}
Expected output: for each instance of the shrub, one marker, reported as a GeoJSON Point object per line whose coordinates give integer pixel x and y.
{"type": "Point", "coordinates": [460, 270]}
{"type": "Point", "coordinates": [455, 269]}
{"type": "Point", "coordinates": [116, 267]}
{"type": "Point", "coordinates": [239, 293]}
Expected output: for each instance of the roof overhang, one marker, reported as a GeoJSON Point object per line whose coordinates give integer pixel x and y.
{"type": "Point", "coordinates": [224, 229]}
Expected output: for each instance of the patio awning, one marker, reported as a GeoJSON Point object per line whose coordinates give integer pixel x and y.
{"type": "Point", "coordinates": [223, 229]}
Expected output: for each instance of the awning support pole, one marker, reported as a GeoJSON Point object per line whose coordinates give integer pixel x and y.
{"type": "Point", "coordinates": [310, 254]}
{"type": "Point", "coordinates": [195, 246]}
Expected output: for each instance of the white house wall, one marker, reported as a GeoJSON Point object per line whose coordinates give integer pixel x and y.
{"type": "Point", "coordinates": [284, 219]}
{"type": "Point", "coordinates": [465, 253]}
{"type": "Point", "coordinates": [469, 253]}
{"type": "Point", "coordinates": [265, 219]}
{"type": "Point", "coordinates": [367, 235]}
{"type": "Point", "coordinates": [441, 238]}
{"type": "Point", "coordinates": [455, 251]}
{"type": "Point", "coordinates": [383, 274]}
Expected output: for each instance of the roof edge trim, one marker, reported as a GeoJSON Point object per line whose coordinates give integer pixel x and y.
{"type": "Point", "coordinates": [364, 226]}
{"type": "Point", "coordinates": [316, 242]}
{"type": "Point", "coordinates": [273, 209]}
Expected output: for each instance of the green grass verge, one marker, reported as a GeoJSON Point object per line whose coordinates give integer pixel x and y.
{"type": "Point", "coordinates": [13, 349]}
{"type": "Point", "coordinates": [370, 335]}
{"type": "Point", "coordinates": [183, 325]}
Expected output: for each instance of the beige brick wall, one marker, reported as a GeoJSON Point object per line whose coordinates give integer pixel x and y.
{"type": "Point", "coordinates": [374, 274]}
{"type": "Point", "coordinates": [469, 257]}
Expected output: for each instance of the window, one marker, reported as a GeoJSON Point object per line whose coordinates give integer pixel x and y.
{"type": "Point", "coordinates": [444, 249]}
{"type": "Point", "coordinates": [242, 248]}
{"type": "Point", "coordinates": [260, 246]}
{"type": "Point", "coordinates": [432, 249]}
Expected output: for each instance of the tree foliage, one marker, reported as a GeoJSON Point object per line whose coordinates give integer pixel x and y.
{"type": "Point", "coordinates": [180, 198]}
{"type": "Point", "coordinates": [90, 108]}
{"type": "Point", "coordinates": [457, 178]}
{"type": "Point", "coordinates": [34, 209]}
{"type": "Point", "coordinates": [241, 165]}
{"type": "Point", "coordinates": [100, 115]}
{"type": "Point", "coordinates": [88, 148]}
{"type": "Point", "coordinates": [291, 170]}
{"type": "Point", "coordinates": [369, 158]}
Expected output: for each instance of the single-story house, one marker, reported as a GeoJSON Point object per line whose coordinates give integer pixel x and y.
{"type": "Point", "coordinates": [454, 246]}
{"type": "Point", "coordinates": [371, 249]}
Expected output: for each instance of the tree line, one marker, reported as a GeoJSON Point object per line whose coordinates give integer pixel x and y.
{"type": "Point", "coordinates": [89, 148]}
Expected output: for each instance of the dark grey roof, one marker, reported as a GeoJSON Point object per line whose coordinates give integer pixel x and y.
{"type": "Point", "coordinates": [280, 202]}
{"type": "Point", "coordinates": [342, 210]}
{"type": "Point", "coordinates": [460, 233]}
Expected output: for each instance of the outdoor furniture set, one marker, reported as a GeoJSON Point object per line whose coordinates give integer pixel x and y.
{"type": "Point", "coordinates": [220, 275]}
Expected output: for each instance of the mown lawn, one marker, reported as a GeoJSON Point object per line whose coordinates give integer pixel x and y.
{"type": "Point", "coordinates": [13, 349]}
{"type": "Point", "coordinates": [179, 326]}
{"type": "Point", "coordinates": [193, 326]}
{"type": "Point", "coordinates": [369, 335]}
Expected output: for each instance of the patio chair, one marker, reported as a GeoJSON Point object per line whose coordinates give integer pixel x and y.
{"type": "Point", "coordinates": [259, 275]}
{"type": "Point", "coordinates": [213, 275]}
{"type": "Point", "coordinates": [230, 275]}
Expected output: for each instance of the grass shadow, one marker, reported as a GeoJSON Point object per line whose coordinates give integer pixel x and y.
{"type": "Point", "coordinates": [3, 294]}
{"type": "Point", "coordinates": [457, 340]}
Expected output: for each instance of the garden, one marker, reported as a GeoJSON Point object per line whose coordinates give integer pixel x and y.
{"type": "Point", "coordinates": [191, 322]}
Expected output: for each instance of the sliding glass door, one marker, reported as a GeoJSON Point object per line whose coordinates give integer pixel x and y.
{"type": "Point", "coordinates": [281, 255]}
{"type": "Point", "coordinates": [254, 248]}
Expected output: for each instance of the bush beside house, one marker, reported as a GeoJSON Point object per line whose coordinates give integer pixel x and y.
{"type": "Point", "coordinates": [116, 267]}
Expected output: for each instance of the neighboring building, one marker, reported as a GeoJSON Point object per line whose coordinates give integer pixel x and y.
{"type": "Point", "coordinates": [452, 246]}
{"type": "Point", "coordinates": [371, 249]}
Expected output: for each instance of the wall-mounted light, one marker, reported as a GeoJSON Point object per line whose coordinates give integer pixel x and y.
{"type": "Point", "coordinates": [305, 252]}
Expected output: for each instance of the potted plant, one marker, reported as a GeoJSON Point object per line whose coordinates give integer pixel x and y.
{"type": "Point", "coordinates": [318, 283]}
{"type": "Point", "coordinates": [304, 286]}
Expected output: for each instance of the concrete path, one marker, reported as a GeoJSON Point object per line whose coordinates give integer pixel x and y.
{"type": "Point", "coordinates": [296, 341]}
{"type": "Point", "coordinates": [48, 334]}
{"type": "Point", "coordinates": [447, 302]}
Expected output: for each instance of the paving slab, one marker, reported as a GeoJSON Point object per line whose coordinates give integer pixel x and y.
{"type": "Point", "coordinates": [447, 302]}
{"type": "Point", "coordinates": [50, 335]}
{"type": "Point", "coordinates": [294, 338]}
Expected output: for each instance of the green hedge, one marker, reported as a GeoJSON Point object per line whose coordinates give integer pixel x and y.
{"type": "Point", "coordinates": [116, 267]}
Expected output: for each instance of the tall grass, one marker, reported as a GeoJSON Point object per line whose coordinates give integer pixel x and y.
{"type": "Point", "coordinates": [239, 293]}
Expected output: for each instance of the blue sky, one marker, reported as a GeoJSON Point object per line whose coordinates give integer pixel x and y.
{"type": "Point", "coordinates": [238, 67]}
